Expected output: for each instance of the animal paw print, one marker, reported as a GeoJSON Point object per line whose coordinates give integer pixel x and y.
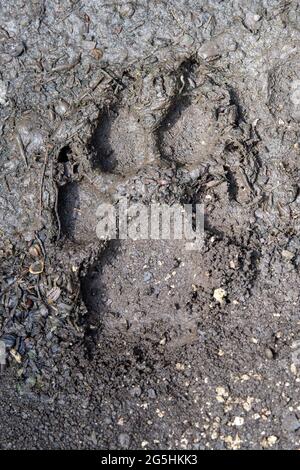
{"type": "Point", "coordinates": [170, 139]}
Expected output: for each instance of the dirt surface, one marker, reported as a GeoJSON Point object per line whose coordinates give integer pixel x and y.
{"type": "Point", "coordinates": [125, 344]}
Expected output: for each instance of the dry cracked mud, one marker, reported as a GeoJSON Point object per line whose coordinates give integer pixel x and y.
{"type": "Point", "coordinates": [125, 344]}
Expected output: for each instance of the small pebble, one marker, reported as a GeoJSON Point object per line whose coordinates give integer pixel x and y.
{"type": "Point", "coordinates": [220, 294]}
{"type": "Point", "coordinates": [287, 255]}
{"type": "Point", "coordinates": [147, 276]}
{"type": "Point", "coordinates": [151, 393]}
{"type": "Point", "coordinates": [136, 391]}
{"type": "Point", "coordinates": [269, 353]}
{"type": "Point", "coordinates": [124, 440]}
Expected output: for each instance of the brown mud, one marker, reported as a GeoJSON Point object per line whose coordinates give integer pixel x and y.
{"type": "Point", "coordinates": [123, 344]}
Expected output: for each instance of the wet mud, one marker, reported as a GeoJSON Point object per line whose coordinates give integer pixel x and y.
{"type": "Point", "coordinates": [144, 344]}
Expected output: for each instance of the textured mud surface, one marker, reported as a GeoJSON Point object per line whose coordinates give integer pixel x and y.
{"type": "Point", "coordinates": [123, 344]}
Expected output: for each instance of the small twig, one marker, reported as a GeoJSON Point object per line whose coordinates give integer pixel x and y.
{"type": "Point", "coordinates": [109, 75]}
{"type": "Point", "coordinates": [42, 183]}
{"type": "Point", "coordinates": [40, 244]}
{"type": "Point", "coordinates": [21, 148]}
{"type": "Point", "coordinates": [7, 185]}
{"type": "Point", "coordinates": [66, 67]}
{"type": "Point", "coordinates": [91, 87]}
{"type": "Point", "coordinates": [56, 212]}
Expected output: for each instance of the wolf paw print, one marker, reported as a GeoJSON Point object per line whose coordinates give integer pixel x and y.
{"type": "Point", "coordinates": [181, 141]}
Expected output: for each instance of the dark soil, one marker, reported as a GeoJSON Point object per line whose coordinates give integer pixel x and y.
{"type": "Point", "coordinates": [123, 344]}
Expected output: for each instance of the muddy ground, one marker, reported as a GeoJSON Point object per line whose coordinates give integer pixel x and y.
{"type": "Point", "coordinates": [123, 344]}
